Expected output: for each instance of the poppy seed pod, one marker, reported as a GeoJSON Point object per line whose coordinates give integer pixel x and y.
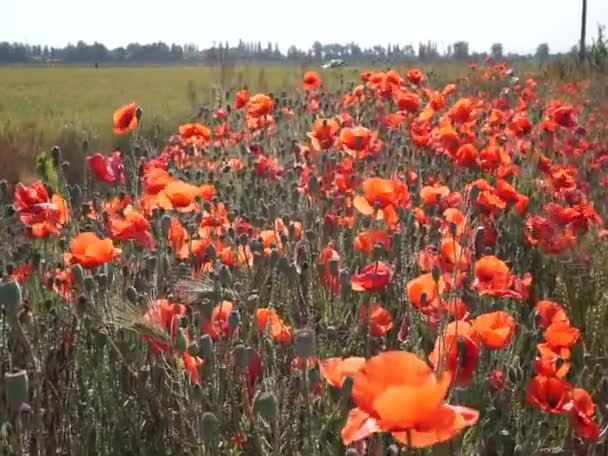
{"type": "Point", "coordinates": [181, 343]}
{"type": "Point", "coordinates": [241, 357]}
{"type": "Point", "coordinates": [209, 427]}
{"type": "Point", "coordinates": [378, 251]}
{"type": "Point", "coordinates": [334, 266]}
{"type": "Point", "coordinates": [89, 284]}
{"type": "Point", "coordinates": [436, 273]}
{"type": "Point", "coordinates": [205, 346]}
{"type": "Point", "coordinates": [165, 224]}
{"type": "Point", "coordinates": [11, 298]}
{"type": "Point", "coordinates": [233, 321]}
{"type": "Point", "coordinates": [474, 193]}
{"type": "Point", "coordinates": [78, 274]}
{"type": "Point", "coordinates": [265, 406]}
{"type": "Point", "coordinates": [304, 343]}
{"type": "Point", "coordinates": [17, 387]}
{"type": "Point", "coordinates": [347, 387]}
{"type": "Point", "coordinates": [138, 113]}
{"type": "Point", "coordinates": [225, 276]}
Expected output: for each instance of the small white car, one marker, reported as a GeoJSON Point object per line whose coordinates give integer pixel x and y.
{"type": "Point", "coordinates": [334, 63]}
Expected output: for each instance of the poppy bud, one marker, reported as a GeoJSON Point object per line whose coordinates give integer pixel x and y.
{"type": "Point", "coordinates": [205, 346]}
{"type": "Point", "coordinates": [211, 252]}
{"type": "Point", "coordinates": [165, 224]}
{"type": "Point", "coordinates": [436, 273]}
{"type": "Point", "coordinates": [209, 427]}
{"type": "Point", "coordinates": [274, 257]}
{"type": "Point", "coordinates": [11, 297]}
{"type": "Point", "coordinates": [89, 284]}
{"type": "Point", "coordinates": [16, 385]}
{"type": "Point", "coordinates": [304, 343]}
{"type": "Point", "coordinates": [333, 266]}
{"type": "Point", "coordinates": [345, 278]}
{"type": "Point", "coordinates": [78, 274]}
{"type": "Point", "coordinates": [101, 280]}
{"type": "Point", "coordinates": [378, 251]}
{"type": "Point", "coordinates": [138, 113]}
{"type": "Point", "coordinates": [56, 155]}
{"type": "Point", "coordinates": [474, 193]}
{"type": "Point", "coordinates": [181, 343]}
{"type": "Point", "coordinates": [241, 357]}
{"type": "Point", "coordinates": [225, 276]}
{"type": "Point", "coordinates": [265, 406]}
{"type": "Point", "coordinates": [233, 321]}
{"type": "Point", "coordinates": [423, 300]}
{"type": "Point", "coordinates": [347, 387]}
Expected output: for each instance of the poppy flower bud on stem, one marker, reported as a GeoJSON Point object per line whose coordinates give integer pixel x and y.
{"type": "Point", "coordinates": [209, 428]}
{"type": "Point", "coordinates": [265, 406]}
{"type": "Point", "coordinates": [436, 274]}
{"type": "Point", "coordinates": [11, 298]}
{"type": "Point", "coordinates": [181, 343]}
{"type": "Point", "coordinates": [304, 343]}
{"type": "Point", "coordinates": [17, 387]}
{"type": "Point", "coordinates": [205, 346]}
{"type": "Point", "coordinates": [78, 274]}
{"type": "Point", "coordinates": [241, 357]}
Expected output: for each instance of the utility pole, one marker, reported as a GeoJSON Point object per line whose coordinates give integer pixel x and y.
{"type": "Point", "coordinates": [582, 48]}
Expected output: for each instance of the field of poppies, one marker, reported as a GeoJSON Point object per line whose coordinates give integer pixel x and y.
{"type": "Point", "coordinates": [386, 267]}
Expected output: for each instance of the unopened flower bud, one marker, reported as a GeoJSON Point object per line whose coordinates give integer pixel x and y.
{"type": "Point", "coordinates": [233, 321]}
{"type": "Point", "coordinates": [436, 274]}
{"type": "Point", "coordinates": [205, 346]}
{"type": "Point", "coordinates": [304, 343]}
{"type": "Point", "coordinates": [16, 385]}
{"type": "Point", "coordinates": [209, 428]}
{"type": "Point", "coordinates": [11, 297]}
{"type": "Point", "coordinates": [265, 406]}
{"type": "Point", "coordinates": [181, 343]}
{"type": "Point", "coordinates": [241, 357]}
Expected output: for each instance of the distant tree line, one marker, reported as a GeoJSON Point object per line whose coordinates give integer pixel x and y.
{"type": "Point", "coordinates": [242, 52]}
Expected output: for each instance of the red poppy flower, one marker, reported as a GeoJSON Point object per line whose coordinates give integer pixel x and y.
{"type": "Point", "coordinates": [458, 351]}
{"type": "Point", "coordinates": [241, 99]}
{"type": "Point", "coordinates": [132, 225]}
{"type": "Point", "coordinates": [582, 409]}
{"type": "Point", "coordinates": [125, 119]}
{"type": "Point", "coordinates": [550, 312]}
{"type": "Point", "coordinates": [356, 139]}
{"type": "Point", "coordinates": [335, 370]}
{"type": "Point", "coordinates": [90, 251]}
{"type": "Point", "coordinates": [397, 392]}
{"type": "Point", "coordinates": [311, 80]}
{"type": "Point", "coordinates": [194, 132]}
{"type": "Point", "coordinates": [323, 135]}
{"type": "Point", "coordinates": [107, 169]}
{"type": "Point", "coordinates": [380, 319]}
{"type": "Point", "coordinates": [217, 326]}
{"type": "Point", "coordinates": [366, 240]}
{"type": "Point", "coordinates": [495, 329]}
{"type": "Point", "coordinates": [373, 277]}
{"type": "Point", "coordinates": [550, 394]}
{"type": "Point", "coordinates": [278, 330]}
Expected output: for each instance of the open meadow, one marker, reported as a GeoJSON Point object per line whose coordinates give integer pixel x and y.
{"type": "Point", "coordinates": [276, 261]}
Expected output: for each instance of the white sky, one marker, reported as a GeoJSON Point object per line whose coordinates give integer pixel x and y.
{"type": "Point", "coordinates": [519, 24]}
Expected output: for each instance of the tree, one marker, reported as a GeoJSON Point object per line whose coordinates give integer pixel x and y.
{"type": "Point", "coordinates": [497, 51]}
{"type": "Point", "coordinates": [461, 50]}
{"type": "Point", "coordinates": [582, 47]}
{"type": "Point", "coordinates": [542, 52]}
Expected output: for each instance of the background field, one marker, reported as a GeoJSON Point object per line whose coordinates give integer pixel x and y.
{"type": "Point", "coordinates": [68, 105]}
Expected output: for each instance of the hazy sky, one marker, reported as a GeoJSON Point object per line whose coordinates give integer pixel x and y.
{"type": "Point", "coordinates": [519, 24]}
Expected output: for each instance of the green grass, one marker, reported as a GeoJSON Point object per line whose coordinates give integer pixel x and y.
{"type": "Point", "coordinates": [43, 106]}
